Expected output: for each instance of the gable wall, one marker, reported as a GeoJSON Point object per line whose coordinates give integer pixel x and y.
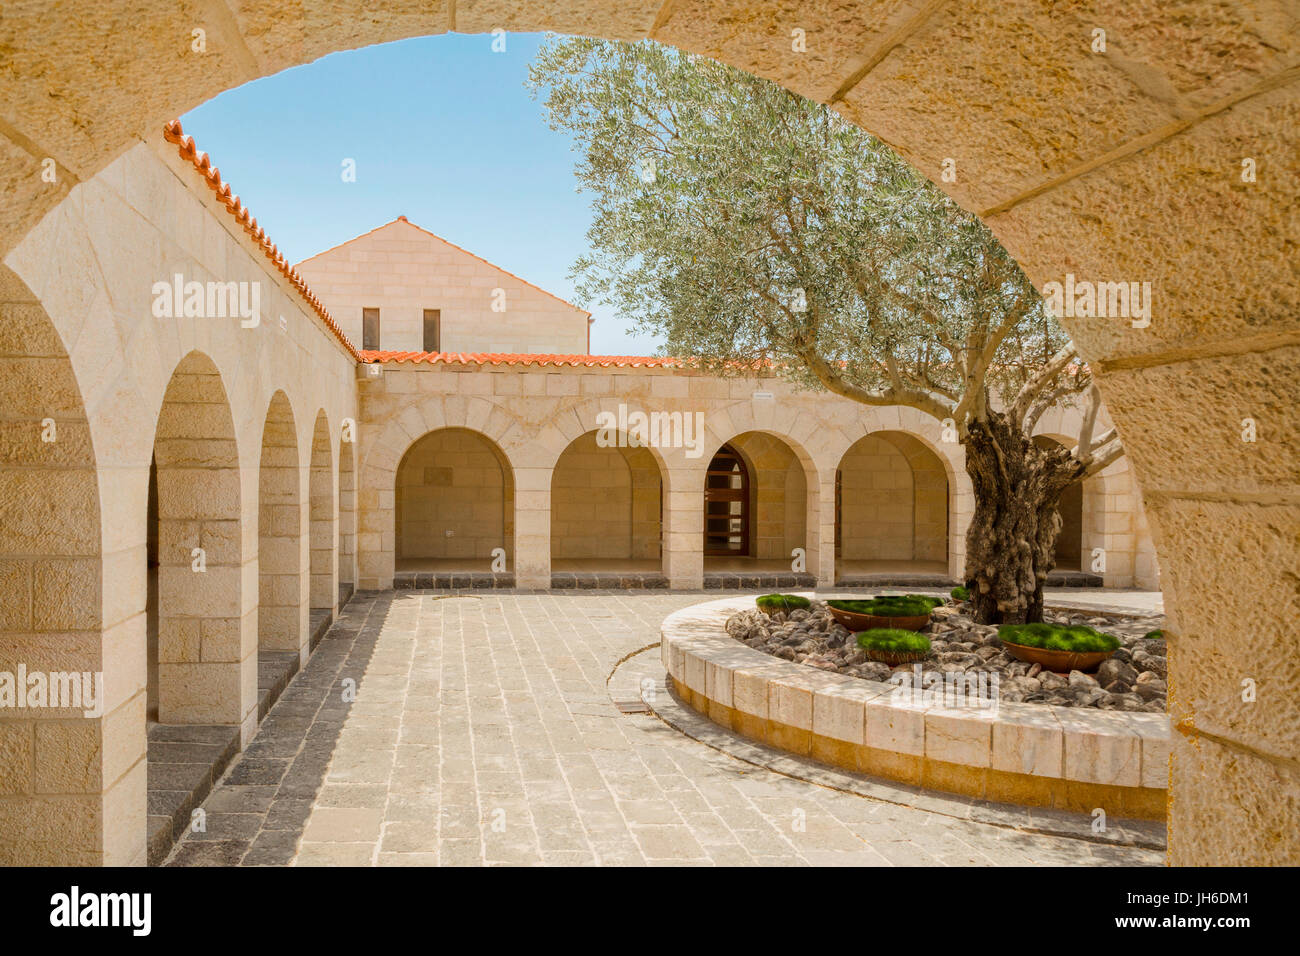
{"type": "Point", "coordinates": [402, 270]}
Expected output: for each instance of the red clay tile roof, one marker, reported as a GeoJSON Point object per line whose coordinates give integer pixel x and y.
{"type": "Point", "coordinates": [512, 358]}
{"type": "Point", "coordinates": [173, 133]}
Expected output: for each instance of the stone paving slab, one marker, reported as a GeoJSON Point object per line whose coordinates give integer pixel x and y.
{"type": "Point", "coordinates": [484, 732]}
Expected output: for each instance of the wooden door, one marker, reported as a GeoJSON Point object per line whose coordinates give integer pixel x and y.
{"type": "Point", "coordinates": [726, 505]}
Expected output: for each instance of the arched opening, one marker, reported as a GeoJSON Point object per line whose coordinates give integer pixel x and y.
{"type": "Point", "coordinates": [282, 588]}
{"type": "Point", "coordinates": [50, 608]}
{"type": "Point", "coordinates": [347, 523]}
{"type": "Point", "coordinates": [454, 508]}
{"type": "Point", "coordinates": [322, 529]}
{"type": "Point", "coordinates": [756, 515]}
{"type": "Point", "coordinates": [195, 613]}
{"type": "Point", "coordinates": [727, 512]}
{"type": "Point", "coordinates": [1069, 542]}
{"type": "Point", "coordinates": [892, 504]}
{"type": "Point", "coordinates": [195, 553]}
{"type": "Point", "coordinates": [606, 514]}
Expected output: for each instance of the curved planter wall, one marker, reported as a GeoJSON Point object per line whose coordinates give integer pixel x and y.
{"type": "Point", "coordinates": [1067, 758]}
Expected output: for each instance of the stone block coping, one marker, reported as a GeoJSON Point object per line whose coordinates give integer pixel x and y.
{"type": "Point", "coordinates": [1066, 758]}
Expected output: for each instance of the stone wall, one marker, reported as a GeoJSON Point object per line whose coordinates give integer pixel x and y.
{"type": "Point", "coordinates": [605, 503]}
{"type": "Point", "coordinates": [453, 500]}
{"type": "Point", "coordinates": [402, 270]}
{"type": "Point", "coordinates": [794, 443]}
{"type": "Point", "coordinates": [81, 346]}
{"type": "Point", "coordinates": [893, 501]}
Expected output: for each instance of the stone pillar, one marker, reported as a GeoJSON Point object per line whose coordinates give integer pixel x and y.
{"type": "Point", "coordinates": [684, 527]}
{"type": "Point", "coordinates": [533, 528]}
{"type": "Point", "coordinates": [281, 548]}
{"type": "Point", "coordinates": [347, 515]}
{"type": "Point", "coordinates": [72, 599]}
{"type": "Point", "coordinates": [821, 528]}
{"type": "Point", "coordinates": [323, 517]}
{"type": "Point", "coordinates": [375, 563]}
{"type": "Point", "coordinates": [961, 510]}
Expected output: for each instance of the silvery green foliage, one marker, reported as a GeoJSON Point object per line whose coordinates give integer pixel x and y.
{"type": "Point", "coordinates": [743, 223]}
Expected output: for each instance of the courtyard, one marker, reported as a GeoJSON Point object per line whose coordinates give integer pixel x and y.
{"type": "Point", "coordinates": [485, 730]}
{"type": "Point", "coordinates": [333, 540]}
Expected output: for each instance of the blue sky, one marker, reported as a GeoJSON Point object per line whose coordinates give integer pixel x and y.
{"type": "Point", "coordinates": [443, 132]}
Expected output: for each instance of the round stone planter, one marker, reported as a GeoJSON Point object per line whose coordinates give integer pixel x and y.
{"type": "Point", "coordinates": [1029, 754]}
{"type": "Point", "coordinates": [1061, 662]}
{"type": "Point", "coordinates": [853, 621]}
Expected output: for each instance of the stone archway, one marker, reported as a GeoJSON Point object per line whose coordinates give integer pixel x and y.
{"type": "Point", "coordinates": [198, 623]}
{"type": "Point", "coordinates": [1085, 163]}
{"type": "Point", "coordinates": [606, 509]}
{"type": "Point", "coordinates": [783, 511]}
{"type": "Point", "coordinates": [453, 504]}
{"type": "Point", "coordinates": [322, 522]}
{"type": "Point", "coordinates": [51, 612]}
{"type": "Point", "coordinates": [281, 606]}
{"type": "Point", "coordinates": [892, 509]}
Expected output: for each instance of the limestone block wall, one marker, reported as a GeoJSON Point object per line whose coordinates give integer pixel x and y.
{"type": "Point", "coordinates": [85, 349]}
{"type": "Point", "coordinates": [533, 413]}
{"type": "Point", "coordinates": [347, 520]}
{"type": "Point", "coordinates": [794, 443]}
{"type": "Point", "coordinates": [453, 481]}
{"type": "Point", "coordinates": [402, 270]}
{"type": "Point", "coordinates": [647, 504]}
{"type": "Point", "coordinates": [279, 532]}
{"type": "Point", "coordinates": [893, 501]}
{"type": "Point", "coordinates": [605, 503]}
{"type": "Point", "coordinates": [200, 617]}
{"type": "Point", "coordinates": [876, 495]}
{"type": "Point", "coordinates": [52, 776]}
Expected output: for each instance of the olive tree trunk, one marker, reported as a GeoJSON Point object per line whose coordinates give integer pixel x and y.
{"type": "Point", "coordinates": [1011, 543]}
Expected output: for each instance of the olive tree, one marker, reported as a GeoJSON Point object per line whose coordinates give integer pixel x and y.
{"type": "Point", "coordinates": [746, 225]}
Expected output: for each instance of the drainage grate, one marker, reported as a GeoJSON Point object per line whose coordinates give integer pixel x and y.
{"type": "Point", "coordinates": [635, 706]}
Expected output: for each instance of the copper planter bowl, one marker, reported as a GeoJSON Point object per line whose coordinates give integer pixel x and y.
{"type": "Point", "coordinates": [1060, 662]}
{"type": "Point", "coordinates": [853, 621]}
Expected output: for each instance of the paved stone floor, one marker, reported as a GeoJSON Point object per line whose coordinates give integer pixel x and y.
{"type": "Point", "coordinates": [482, 732]}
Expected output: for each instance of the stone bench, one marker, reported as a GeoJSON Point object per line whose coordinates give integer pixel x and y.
{"type": "Point", "coordinates": [1067, 758]}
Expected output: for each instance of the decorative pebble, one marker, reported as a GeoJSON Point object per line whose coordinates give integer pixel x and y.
{"type": "Point", "coordinates": [1132, 679]}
